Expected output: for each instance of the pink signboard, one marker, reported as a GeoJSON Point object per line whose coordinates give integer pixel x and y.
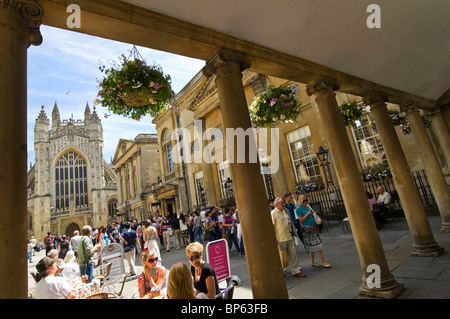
{"type": "Point", "coordinates": [218, 258]}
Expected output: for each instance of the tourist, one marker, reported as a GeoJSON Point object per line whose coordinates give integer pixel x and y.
{"type": "Point", "coordinates": [285, 241]}
{"type": "Point", "coordinates": [205, 279]}
{"type": "Point", "coordinates": [51, 287]}
{"type": "Point", "coordinates": [131, 241]}
{"type": "Point", "coordinates": [152, 281]}
{"type": "Point", "coordinates": [180, 283]}
{"type": "Point", "coordinates": [313, 242]}
{"type": "Point", "coordinates": [86, 252]}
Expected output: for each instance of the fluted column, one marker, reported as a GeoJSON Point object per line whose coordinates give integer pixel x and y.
{"type": "Point", "coordinates": [365, 234]}
{"type": "Point", "coordinates": [422, 237]}
{"type": "Point", "coordinates": [263, 261]}
{"type": "Point", "coordinates": [442, 133]}
{"type": "Point", "coordinates": [432, 168]}
{"type": "Point", "coordinates": [19, 27]}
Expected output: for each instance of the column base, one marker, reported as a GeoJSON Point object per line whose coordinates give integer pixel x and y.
{"type": "Point", "coordinates": [445, 228]}
{"type": "Point", "coordinates": [389, 289]}
{"type": "Point", "coordinates": [427, 250]}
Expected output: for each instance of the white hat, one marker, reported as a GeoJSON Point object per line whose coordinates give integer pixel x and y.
{"type": "Point", "coordinates": [70, 256]}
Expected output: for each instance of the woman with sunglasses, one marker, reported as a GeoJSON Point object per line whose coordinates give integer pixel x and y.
{"type": "Point", "coordinates": [153, 278]}
{"type": "Point", "coordinates": [205, 279]}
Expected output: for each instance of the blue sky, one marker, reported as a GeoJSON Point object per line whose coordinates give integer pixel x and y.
{"type": "Point", "coordinates": [69, 61]}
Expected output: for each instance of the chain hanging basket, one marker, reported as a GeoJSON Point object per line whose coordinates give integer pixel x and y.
{"type": "Point", "coordinates": [351, 112]}
{"type": "Point", "coordinates": [273, 106]}
{"type": "Point", "coordinates": [133, 88]}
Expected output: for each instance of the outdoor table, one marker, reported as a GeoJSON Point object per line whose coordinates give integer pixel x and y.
{"type": "Point", "coordinates": [84, 290]}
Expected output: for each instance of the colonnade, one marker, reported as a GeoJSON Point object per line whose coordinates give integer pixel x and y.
{"type": "Point", "coordinates": [20, 28]}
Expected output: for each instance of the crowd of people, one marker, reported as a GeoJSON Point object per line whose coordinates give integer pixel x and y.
{"type": "Point", "coordinates": [71, 257]}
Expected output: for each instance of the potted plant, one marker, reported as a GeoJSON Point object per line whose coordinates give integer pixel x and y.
{"type": "Point", "coordinates": [133, 89]}
{"type": "Point", "coordinates": [273, 106]}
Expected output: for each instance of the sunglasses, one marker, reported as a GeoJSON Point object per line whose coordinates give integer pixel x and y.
{"type": "Point", "coordinates": [305, 200]}
{"type": "Point", "coordinates": [193, 258]}
{"type": "Point", "coordinates": [151, 261]}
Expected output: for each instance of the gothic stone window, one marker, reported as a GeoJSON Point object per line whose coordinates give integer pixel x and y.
{"type": "Point", "coordinates": [71, 181]}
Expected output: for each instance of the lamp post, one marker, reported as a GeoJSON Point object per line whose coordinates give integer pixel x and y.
{"type": "Point", "coordinates": [229, 188]}
{"type": "Point", "coordinates": [201, 192]}
{"type": "Point", "coordinates": [322, 155]}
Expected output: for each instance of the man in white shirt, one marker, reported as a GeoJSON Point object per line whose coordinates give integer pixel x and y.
{"type": "Point", "coordinates": [281, 222]}
{"type": "Point", "coordinates": [384, 197]}
{"type": "Point", "coordinates": [51, 287]}
{"type": "Point", "coordinates": [74, 241]}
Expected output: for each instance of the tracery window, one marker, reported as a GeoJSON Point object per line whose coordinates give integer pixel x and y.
{"type": "Point", "coordinates": [71, 181]}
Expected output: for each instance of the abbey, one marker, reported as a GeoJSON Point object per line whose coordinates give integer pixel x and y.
{"type": "Point", "coordinates": [70, 184]}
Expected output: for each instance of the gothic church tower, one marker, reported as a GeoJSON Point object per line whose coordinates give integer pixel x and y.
{"type": "Point", "coordinates": [70, 184]}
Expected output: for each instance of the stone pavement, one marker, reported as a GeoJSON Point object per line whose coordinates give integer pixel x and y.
{"type": "Point", "coordinates": [423, 277]}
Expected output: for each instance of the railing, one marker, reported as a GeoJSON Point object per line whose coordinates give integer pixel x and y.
{"type": "Point", "coordinates": [330, 199]}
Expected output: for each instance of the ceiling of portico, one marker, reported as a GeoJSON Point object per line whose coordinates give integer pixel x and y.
{"type": "Point", "coordinates": [408, 57]}
{"type": "Point", "coordinates": [410, 52]}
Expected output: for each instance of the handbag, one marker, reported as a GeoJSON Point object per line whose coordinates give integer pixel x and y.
{"type": "Point", "coordinates": [317, 218]}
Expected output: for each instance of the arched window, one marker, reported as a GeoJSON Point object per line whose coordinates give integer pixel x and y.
{"type": "Point", "coordinates": [112, 207]}
{"type": "Point", "coordinates": [71, 181]}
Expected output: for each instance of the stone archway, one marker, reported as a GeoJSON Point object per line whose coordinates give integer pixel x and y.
{"type": "Point", "coordinates": [71, 228]}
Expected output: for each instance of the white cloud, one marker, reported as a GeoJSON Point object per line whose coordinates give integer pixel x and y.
{"type": "Point", "coordinates": [68, 60]}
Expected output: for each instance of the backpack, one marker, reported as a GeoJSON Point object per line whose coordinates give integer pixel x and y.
{"type": "Point", "coordinates": [48, 241]}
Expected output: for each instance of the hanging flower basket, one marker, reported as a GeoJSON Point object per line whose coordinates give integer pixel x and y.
{"type": "Point", "coordinates": [351, 112]}
{"type": "Point", "coordinates": [401, 120]}
{"type": "Point", "coordinates": [134, 89]}
{"type": "Point", "coordinates": [273, 106]}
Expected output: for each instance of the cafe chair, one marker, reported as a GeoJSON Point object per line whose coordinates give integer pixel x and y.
{"type": "Point", "coordinates": [105, 277]}
{"type": "Point", "coordinates": [103, 295]}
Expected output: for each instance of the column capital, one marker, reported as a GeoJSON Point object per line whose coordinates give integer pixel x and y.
{"type": "Point", "coordinates": [29, 10]}
{"type": "Point", "coordinates": [408, 107]}
{"type": "Point", "coordinates": [320, 84]}
{"type": "Point", "coordinates": [223, 56]}
{"type": "Point", "coordinates": [375, 99]}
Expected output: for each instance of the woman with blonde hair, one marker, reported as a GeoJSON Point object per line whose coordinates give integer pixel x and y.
{"type": "Point", "coordinates": [313, 242]}
{"type": "Point", "coordinates": [205, 279]}
{"type": "Point", "coordinates": [153, 279]}
{"type": "Point", "coordinates": [180, 284]}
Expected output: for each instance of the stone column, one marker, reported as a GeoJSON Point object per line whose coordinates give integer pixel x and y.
{"type": "Point", "coordinates": [19, 27]}
{"type": "Point", "coordinates": [263, 261]}
{"type": "Point", "coordinates": [442, 133]}
{"type": "Point", "coordinates": [421, 234]}
{"type": "Point", "coordinates": [432, 168]}
{"type": "Point", "coordinates": [365, 234]}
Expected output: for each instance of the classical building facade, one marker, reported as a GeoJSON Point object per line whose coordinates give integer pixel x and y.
{"type": "Point", "coordinates": [193, 128]}
{"type": "Point", "coordinates": [137, 167]}
{"type": "Point", "coordinates": [70, 184]}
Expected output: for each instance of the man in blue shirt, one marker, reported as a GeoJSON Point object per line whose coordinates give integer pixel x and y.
{"type": "Point", "coordinates": [290, 207]}
{"type": "Point", "coordinates": [130, 240]}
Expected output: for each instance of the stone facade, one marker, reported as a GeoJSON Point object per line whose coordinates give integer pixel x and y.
{"type": "Point", "coordinates": [70, 184]}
